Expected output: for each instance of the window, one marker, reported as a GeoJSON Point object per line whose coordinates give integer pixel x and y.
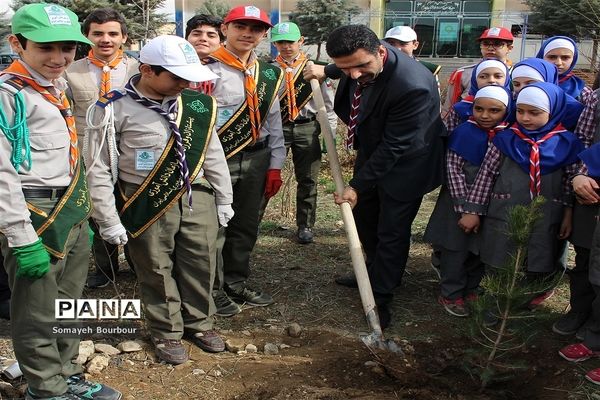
{"type": "Point", "coordinates": [472, 29]}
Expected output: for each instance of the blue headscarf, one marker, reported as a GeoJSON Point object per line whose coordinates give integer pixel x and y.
{"type": "Point", "coordinates": [470, 141]}
{"type": "Point", "coordinates": [571, 84]}
{"type": "Point", "coordinates": [591, 159]}
{"type": "Point", "coordinates": [558, 151]}
{"type": "Point", "coordinates": [549, 72]}
{"type": "Point", "coordinates": [464, 108]}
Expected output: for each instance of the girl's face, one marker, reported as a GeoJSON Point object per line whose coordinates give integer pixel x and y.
{"type": "Point", "coordinates": [530, 117]}
{"type": "Point", "coordinates": [488, 112]}
{"type": "Point", "coordinates": [520, 83]}
{"type": "Point", "coordinates": [491, 76]}
{"type": "Point", "coordinates": [561, 57]}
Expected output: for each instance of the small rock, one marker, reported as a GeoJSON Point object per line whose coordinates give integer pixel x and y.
{"type": "Point", "coordinates": [284, 346]}
{"type": "Point", "coordinates": [271, 349]}
{"type": "Point", "coordinates": [294, 330]}
{"type": "Point", "coordinates": [339, 224]}
{"type": "Point", "coordinates": [250, 348]}
{"type": "Point", "coordinates": [370, 364]}
{"type": "Point", "coordinates": [106, 349]}
{"type": "Point", "coordinates": [272, 320]}
{"type": "Point", "coordinates": [182, 366]}
{"type": "Point", "coordinates": [378, 370]}
{"type": "Point", "coordinates": [215, 373]}
{"type": "Point", "coordinates": [86, 347]}
{"type": "Point", "coordinates": [97, 364]}
{"type": "Point", "coordinates": [129, 346]}
{"type": "Point", "coordinates": [234, 345]}
{"type": "Point", "coordinates": [241, 352]}
{"type": "Point", "coordinates": [129, 362]}
{"type": "Point", "coordinates": [80, 359]}
{"type": "Point", "coordinates": [198, 371]}
{"type": "Point", "coordinates": [246, 333]}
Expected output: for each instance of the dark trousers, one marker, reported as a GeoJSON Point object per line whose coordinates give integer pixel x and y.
{"type": "Point", "coordinates": [4, 288]}
{"type": "Point", "coordinates": [106, 255]}
{"type": "Point", "coordinates": [462, 272]}
{"type": "Point", "coordinates": [384, 227]}
{"type": "Point", "coordinates": [582, 291]}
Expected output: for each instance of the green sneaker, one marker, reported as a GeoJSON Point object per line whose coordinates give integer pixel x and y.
{"type": "Point", "coordinates": [85, 389]}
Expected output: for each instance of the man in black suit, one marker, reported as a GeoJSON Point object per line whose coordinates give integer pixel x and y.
{"type": "Point", "coordinates": [398, 138]}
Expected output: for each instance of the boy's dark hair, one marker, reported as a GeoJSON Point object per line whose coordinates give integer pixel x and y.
{"type": "Point", "coordinates": [22, 40]}
{"type": "Point", "coordinates": [157, 69]}
{"type": "Point", "coordinates": [346, 40]}
{"type": "Point", "coordinates": [103, 15]}
{"type": "Point", "coordinates": [204, 19]}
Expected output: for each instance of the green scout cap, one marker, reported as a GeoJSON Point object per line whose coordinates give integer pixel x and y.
{"type": "Point", "coordinates": [287, 31]}
{"type": "Point", "coordinates": [43, 23]}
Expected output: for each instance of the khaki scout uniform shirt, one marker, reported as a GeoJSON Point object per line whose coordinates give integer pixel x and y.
{"type": "Point", "coordinates": [310, 109]}
{"type": "Point", "coordinates": [84, 86]}
{"type": "Point", "coordinates": [49, 141]}
{"type": "Point", "coordinates": [139, 128]}
{"type": "Point", "coordinates": [230, 94]}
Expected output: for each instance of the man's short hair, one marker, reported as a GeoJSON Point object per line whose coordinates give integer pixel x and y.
{"type": "Point", "coordinates": [347, 39]}
{"type": "Point", "coordinates": [103, 15]}
{"type": "Point", "coordinates": [204, 19]}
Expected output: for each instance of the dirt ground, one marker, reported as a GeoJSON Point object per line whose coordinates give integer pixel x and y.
{"type": "Point", "coordinates": [327, 360]}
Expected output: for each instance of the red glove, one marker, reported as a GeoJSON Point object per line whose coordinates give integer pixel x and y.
{"type": "Point", "coordinates": [273, 183]}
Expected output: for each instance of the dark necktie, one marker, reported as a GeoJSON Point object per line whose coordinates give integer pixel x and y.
{"type": "Point", "coordinates": [353, 121]}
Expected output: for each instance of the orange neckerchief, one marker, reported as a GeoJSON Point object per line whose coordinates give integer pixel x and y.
{"type": "Point", "coordinates": [229, 59]}
{"type": "Point", "coordinates": [290, 90]}
{"type": "Point", "coordinates": [18, 69]}
{"type": "Point", "coordinates": [106, 67]}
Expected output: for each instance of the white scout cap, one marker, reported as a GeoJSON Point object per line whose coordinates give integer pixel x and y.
{"type": "Point", "coordinates": [401, 33]}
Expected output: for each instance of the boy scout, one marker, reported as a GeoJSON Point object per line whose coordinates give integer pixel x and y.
{"type": "Point", "coordinates": [45, 203]}
{"type": "Point", "coordinates": [106, 67]}
{"type": "Point", "coordinates": [164, 148]}
{"type": "Point", "coordinates": [300, 128]}
{"type": "Point", "coordinates": [249, 126]}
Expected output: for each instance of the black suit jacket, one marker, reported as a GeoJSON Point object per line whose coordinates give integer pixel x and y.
{"type": "Point", "coordinates": [399, 131]}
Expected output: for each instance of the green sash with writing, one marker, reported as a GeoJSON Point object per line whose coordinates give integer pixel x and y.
{"type": "Point", "coordinates": [303, 93]}
{"type": "Point", "coordinates": [73, 208]}
{"type": "Point", "coordinates": [236, 133]}
{"type": "Point", "coordinates": [162, 187]}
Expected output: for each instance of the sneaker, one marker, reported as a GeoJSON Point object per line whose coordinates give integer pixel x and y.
{"type": "Point", "coordinates": [97, 281]}
{"type": "Point", "coordinates": [580, 335]}
{"type": "Point", "coordinates": [304, 235]}
{"type": "Point", "coordinates": [66, 396]}
{"type": "Point", "coordinates": [593, 376]}
{"type": "Point", "coordinates": [244, 294]}
{"type": "Point", "coordinates": [570, 323]}
{"type": "Point", "coordinates": [454, 307]}
{"type": "Point", "coordinates": [208, 341]}
{"type": "Point", "coordinates": [170, 351]}
{"type": "Point", "coordinates": [225, 306]}
{"type": "Point", "coordinates": [577, 352]}
{"type": "Point", "coordinates": [85, 389]}
{"type": "Point", "coordinates": [538, 300]}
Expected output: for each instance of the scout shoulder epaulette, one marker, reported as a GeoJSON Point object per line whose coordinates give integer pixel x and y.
{"type": "Point", "coordinates": [109, 97]}
{"type": "Point", "coordinates": [12, 84]}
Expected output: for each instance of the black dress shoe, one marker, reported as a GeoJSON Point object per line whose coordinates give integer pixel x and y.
{"type": "Point", "coordinates": [347, 280]}
{"type": "Point", "coordinates": [385, 316]}
{"type": "Point", "coordinates": [305, 235]}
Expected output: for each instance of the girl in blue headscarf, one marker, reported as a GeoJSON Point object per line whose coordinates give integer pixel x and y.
{"type": "Point", "coordinates": [532, 158]}
{"type": "Point", "coordinates": [461, 271]}
{"type": "Point", "coordinates": [486, 73]}
{"type": "Point", "coordinates": [531, 70]}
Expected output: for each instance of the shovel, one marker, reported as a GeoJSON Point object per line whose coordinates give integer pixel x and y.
{"type": "Point", "coordinates": [375, 339]}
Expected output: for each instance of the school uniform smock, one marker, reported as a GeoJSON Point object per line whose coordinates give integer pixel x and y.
{"type": "Point", "coordinates": [248, 169]}
{"type": "Point", "coordinates": [44, 359]}
{"type": "Point", "coordinates": [175, 276]}
{"type": "Point", "coordinates": [504, 181]}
